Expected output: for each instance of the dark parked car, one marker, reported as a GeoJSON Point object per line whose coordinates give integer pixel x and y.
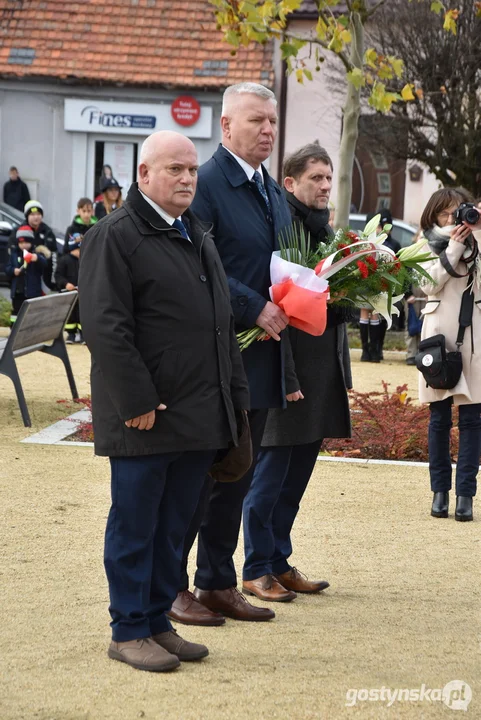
{"type": "Point", "coordinates": [10, 219]}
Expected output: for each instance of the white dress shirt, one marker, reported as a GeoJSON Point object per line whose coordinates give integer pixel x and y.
{"type": "Point", "coordinates": [248, 169]}
{"type": "Point", "coordinates": [169, 219]}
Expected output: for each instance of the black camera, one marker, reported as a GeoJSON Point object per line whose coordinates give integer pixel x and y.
{"type": "Point", "coordinates": [466, 212]}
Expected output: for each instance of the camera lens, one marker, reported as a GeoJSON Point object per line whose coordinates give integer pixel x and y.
{"type": "Point", "coordinates": [471, 216]}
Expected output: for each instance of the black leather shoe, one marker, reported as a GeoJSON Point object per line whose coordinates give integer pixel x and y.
{"type": "Point", "coordinates": [440, 505]}
{"type": "Point", "coordinates": [464, 508]}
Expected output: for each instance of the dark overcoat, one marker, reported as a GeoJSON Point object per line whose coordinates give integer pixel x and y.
{"type": "Point", "coordinates": [156, 317]}
{"type": "Point", "coordinates": [322, 365]}
{"type": "Point", "coordinates": [245, 238]}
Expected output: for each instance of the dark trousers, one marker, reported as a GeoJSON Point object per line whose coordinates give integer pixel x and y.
{"type": "Point", "coordinates": [73, 323]}
{"type": "Point", "coordinates": [17, 302]}
{"type": "Point", "coordinates": [440, 424]}
{"type": "Point", "coordinates": [153, 500]}
{"type": "Point", "coordinates": [272, 503]}
{"type": "Point", "coordinates": [220, 523]}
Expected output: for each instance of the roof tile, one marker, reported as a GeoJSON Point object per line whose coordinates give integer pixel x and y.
{"type": "Point", "coordinates": [154, 42]}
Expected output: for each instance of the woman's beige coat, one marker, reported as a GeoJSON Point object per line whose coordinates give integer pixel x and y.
{"type": "Point", "coordinates": [441, 315]}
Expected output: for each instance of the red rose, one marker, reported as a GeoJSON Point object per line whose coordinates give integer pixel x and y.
{"type": "Point", "coordinates": [363, 268]}
{"type": "Point", "coordinates": [396, 267]}
{"type": "Point", "coordinates": [371, 261]}
{"type": "Point", "coordinates": [352, 236]}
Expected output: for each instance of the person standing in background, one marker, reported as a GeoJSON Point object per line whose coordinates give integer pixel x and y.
{"type": "Point", "coordinates": [15, 191]}
{"type": "Point", "coordinates": [111, 198]}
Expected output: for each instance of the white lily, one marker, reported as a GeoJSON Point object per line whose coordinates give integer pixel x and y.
{"type": "Point", "coordinates": [412, 251]}
{"type": "Point", "coordinates": [380, 306]}
{"type": "Point", "coordinates": [372, 226]}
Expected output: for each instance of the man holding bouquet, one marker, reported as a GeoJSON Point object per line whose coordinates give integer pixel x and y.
{"type": "Point", "coordinates": [293, 437]}
{"type": "Point", "coordinates": [247, 210]}
{"type": "Point", "coordinates": [168, 387]}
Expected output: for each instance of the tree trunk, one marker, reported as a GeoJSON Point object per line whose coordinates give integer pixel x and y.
{"type": "Point", "coordinates": [352, 110]}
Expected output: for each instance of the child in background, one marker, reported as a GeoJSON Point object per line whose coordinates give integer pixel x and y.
{"type": "Point", "coordinates": [83, 220]}
{"type": "Point", "coordinates": [66, 278]}
{"type": "Point", "coordinates": [111, 198]}
{"type": "Point", "coordinates": [25, 267]}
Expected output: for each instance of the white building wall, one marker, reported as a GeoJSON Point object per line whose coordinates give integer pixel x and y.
{"type": "Point", "coordinates": [54, 162]}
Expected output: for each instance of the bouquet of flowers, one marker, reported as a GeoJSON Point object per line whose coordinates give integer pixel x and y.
{"type": "Point", "coordinates": [354, 270]}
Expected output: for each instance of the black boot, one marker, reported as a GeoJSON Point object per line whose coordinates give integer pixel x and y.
{"type": "Point", "coordinates": [464, 508]}
{"type": "Point", "coordinates": [364, 330]}
{"type": "Point", "coordinates": [375, 342]}
{"type": "Point", "coordinates": [382, 335]}
{"type": "Point", "coordinates": [440, 505]}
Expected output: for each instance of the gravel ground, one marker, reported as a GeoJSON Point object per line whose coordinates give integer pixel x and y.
{"type": "Point", "coordinates": [403, 587]}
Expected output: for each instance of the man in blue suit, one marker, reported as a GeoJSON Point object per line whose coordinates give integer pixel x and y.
{"type": "Point", "coordinates": [247, 210]}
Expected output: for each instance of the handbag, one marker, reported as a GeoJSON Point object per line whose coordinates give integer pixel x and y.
{"type": "Point", "coordinates": [415, 323]}
{"type": "Point", "coordinates": [440, 369]}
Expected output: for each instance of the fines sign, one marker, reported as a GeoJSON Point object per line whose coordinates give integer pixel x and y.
{"type": "Point", "coordinates": [185, 110]}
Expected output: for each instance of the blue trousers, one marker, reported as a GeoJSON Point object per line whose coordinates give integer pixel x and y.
{"type": "Point", "coordinates": [153, 500]}
{"type": "Point", "coordinates": [271, 505]}
{"type": "Point", "coordinates": [221, 521]}
{"type": "Point", "coordinates": [440, 424]}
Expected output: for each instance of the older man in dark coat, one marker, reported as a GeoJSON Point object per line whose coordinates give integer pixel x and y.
{"type": "Point", "coordinates": [167, 388]}
{"type": "Point", "coordinates": [293, 437]}
{"type": "Point", "coordinates": [247, 210]}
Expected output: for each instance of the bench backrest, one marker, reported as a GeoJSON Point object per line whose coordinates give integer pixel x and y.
{"type": "Point", "coordinates": [41, 320]}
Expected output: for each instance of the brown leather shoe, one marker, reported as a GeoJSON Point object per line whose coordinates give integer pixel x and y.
{"type": "Point", "coordinates": [143, 654]}
{"type": "Point", "coordinates": [232, 604]}
{"type": "Point", "coordinates": [268, 588]}
{"type": "Point", "coordinates": [183, 649]}
{"type": "Point", "coordinates": [294, 580]}
{"type": "Point", "coordinates": [186, 609]}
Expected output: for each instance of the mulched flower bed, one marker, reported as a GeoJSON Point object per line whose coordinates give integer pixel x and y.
{"type": "Point", "coordinates": [387, 426]}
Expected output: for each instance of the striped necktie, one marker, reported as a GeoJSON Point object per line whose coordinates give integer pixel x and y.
{"type": "Point", "coordinates": [261, 187]}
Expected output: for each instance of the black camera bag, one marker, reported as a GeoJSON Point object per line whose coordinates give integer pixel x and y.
{"type": "Point", "coordinates": [442, 369]}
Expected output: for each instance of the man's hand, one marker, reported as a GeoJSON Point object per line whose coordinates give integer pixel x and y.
{"type": "Point", "coordinates": [272, 320]}
{"type": "Point", "coordinates": [17, 271]}
{"type": "Point", "coordinates": [145, 422]}
{"type": "Point", "coordinates": [294, 397]}
{"type": "Point", "coordinates": [70, 286]}
{"type": "Point", "coordinates": [34, 257]}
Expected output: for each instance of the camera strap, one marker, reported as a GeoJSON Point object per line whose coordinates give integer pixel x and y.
{"type": "Point", "coordinates": [465, 312]}
{"type": "Point", "coordinates": [449, 268]}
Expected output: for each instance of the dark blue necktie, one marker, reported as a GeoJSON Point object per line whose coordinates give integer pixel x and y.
{"type": "Point", "coordinates": [262, 189]}
{"type": "Point", "coordinates": [179, 225]}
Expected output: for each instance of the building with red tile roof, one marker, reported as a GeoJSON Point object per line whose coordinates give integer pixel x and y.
{"type": "Point", "coordinates": [149, 43]}
{"type": "Point", "coordinates": [83, 83]}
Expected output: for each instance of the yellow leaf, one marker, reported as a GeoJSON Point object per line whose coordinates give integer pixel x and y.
{"type": "Point", "coordinates": [419, 92]}
{"type": "Point", "coordinates": [407, 92]}
{"type": "Point", "coordinates": [300, 76]}
{"type": "Point", "coordinates": [450, 21]}
{"type": "Point", "coordinates": [357, 78]}
{"type": "Point", "coordinates": [346, 36]}
{"type": "Point", "coordinates": [397, 65]}
{"type": "Point", "coordinates": [370, 57]}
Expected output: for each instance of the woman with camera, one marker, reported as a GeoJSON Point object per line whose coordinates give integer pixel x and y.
{"type": "Point", "coordinates": [452, 322]}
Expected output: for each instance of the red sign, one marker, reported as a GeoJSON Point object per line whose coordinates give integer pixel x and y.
{"type": "Point", "coordinates": [185, 110]}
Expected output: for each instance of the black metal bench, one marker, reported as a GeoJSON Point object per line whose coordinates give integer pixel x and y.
{"type": "Point", "coordinates": [39, 326]}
